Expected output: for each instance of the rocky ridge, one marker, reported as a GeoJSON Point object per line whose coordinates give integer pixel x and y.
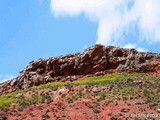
{"type": "Point", "coordinates": [96, 60]}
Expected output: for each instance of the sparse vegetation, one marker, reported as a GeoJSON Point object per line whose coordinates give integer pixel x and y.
{"type": "Point", "coordinates": [78, 95]}
{"type": "Point", "coordinates": [119, 83]}
{"type": "Point", "coordinates": [45, 116]}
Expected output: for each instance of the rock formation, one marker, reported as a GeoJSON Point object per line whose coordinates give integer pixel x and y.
{"type": "Point", "coordinates": [96, 60]}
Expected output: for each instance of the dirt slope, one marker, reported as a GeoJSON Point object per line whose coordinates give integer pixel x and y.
{"type": "Point", "coordinates": [100, 83]}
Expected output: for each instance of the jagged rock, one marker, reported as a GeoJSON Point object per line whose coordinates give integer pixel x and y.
{"type": "Point", "coordinates": [140, 58]}
{"type": "Point", "coordinates": [3, 117]}
{"type": "Point", "coordinates": [48, 79]}
{"type": "Point", "coordinates": [13, 82]}
{"type": "Point", "coordinates": [95, 60]}
{"type": "Point", "coordinates": [92, 60]}
{"type": "Point", "coordinates": [36, 79]}
{"type": "Point", "coordinates": [116, 52]}
{"type": "Point", "coordinates": [40, 70]}
{"type": "Point", "coordinates": [99, 73]}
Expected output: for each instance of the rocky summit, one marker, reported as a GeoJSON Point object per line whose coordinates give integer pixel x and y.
{"type": "Point", "coordinates": [95, 60]}
{"type": "Point", "coordinates": [100, 83]}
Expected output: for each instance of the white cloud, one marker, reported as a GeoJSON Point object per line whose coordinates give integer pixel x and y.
{"type": "Point", "coordinates": [141, 49]}
{"type": "Point", "coordinates": [116, 18]}
{"type": "Point", "coordinates": [129, 45]}
{"type": "Point", "coordinates": [4, 78]}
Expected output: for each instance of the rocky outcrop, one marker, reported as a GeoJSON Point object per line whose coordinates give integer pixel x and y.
{"type": "Point", "coordinates": [96, 60]}
{"type": "Point", "coordinates": [92, 60]}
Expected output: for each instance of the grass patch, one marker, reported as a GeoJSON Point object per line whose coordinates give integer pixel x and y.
{"type": "Point", "coordinates": [106, 80]}
{"type": "Point", "coordinates": [78, 95]}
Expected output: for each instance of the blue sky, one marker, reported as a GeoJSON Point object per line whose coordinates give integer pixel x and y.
{"type": "Point", "coordinates": [29, 31]}
{"type": "Point", "coordinates": [32, 29]}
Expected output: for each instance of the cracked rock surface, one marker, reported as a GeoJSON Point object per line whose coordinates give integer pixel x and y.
{"type": "Point", "coordinates": [95, 60]}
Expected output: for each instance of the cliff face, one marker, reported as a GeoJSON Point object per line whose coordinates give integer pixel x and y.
{"type": "Point", "coordinates": [96, 60]}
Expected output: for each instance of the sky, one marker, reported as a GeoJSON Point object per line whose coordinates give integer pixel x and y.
{"type": "Point", "coordinates": [32, 29]}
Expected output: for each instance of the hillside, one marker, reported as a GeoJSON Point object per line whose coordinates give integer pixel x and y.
{"type": "Point", "coordinates": [100, 83]}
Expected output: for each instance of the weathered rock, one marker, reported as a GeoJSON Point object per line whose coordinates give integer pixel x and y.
{"type": "Point", "coordinates": [3, 117]}
{"type": "Point", "coordinates": [99, 73]}
{"type": "Point", "coordinates": [158, 110]}
{"type": "Point", "coordinates": [95, 60]}
{"type": "Point", "coordinates": [116, 52]}
{"type": "Point", "coordinates": [18, 95]}
{"type": "Point", "coordinates": [13, 82]}
{"type": "Point", "coordinates": [92, 60]}
{"type": "Point", "coordinates": [95, 89]}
